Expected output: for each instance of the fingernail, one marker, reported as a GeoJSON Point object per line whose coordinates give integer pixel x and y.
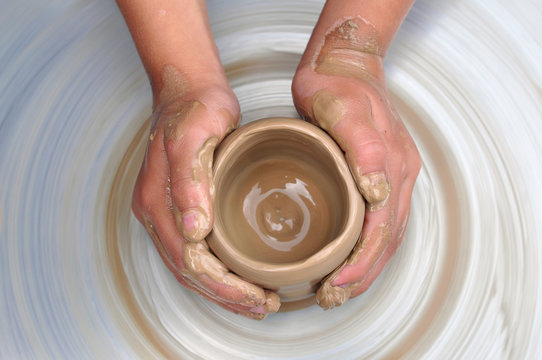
{"type": "Point", "coordinates": [375, 189]}
{"type": "Point", "coordinates": [194, 225]}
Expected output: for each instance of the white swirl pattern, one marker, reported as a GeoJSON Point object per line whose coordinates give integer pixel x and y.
{"type": "Point", "coordinates": [80, 279]}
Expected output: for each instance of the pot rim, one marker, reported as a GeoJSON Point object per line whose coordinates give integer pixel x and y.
{"type": "Point", "coordinates": [320, 263]}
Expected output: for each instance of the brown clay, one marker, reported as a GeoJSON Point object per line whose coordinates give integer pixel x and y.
{"type": "Point", "coordinates": [328, 109]}
{"type": "Point", "coordinates": [374, 187]}
{"type": "Point", "coordinates": [287, 211]}
{"type": "Point", "coordinates": [283, 216]}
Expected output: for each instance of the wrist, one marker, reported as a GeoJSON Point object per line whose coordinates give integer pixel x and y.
{"type": "Point", "coordinates": [177, 90]}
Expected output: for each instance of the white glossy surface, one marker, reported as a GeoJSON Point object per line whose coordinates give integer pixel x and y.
{"type": "Point", "coordinates": [80, 279]}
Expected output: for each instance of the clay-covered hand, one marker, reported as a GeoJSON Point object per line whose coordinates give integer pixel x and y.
{"type": "Point", "coordinates": [342, 89]}
{"type": "Point", "coordinates": [173, 196]}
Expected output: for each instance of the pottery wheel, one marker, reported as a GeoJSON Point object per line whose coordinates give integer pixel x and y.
{"type": "Point", "coordinates": [80, 279]}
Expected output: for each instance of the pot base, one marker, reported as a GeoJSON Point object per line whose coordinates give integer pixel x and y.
{"type": "Point", "coordinates": [298, 304]}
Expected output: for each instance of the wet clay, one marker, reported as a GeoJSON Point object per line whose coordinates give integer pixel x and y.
{"type": "Point", "coordinates": [350, 49]}
{"type": "Point", "coordinates": [200, 266]}
{"type": "Point", "coordinates": [374, 187]}
{"type": "Point", "coordinates": [327, 109]}
{"type": "Point", "coordinates": [199, 218]}
{"type": "Point", "coordinates": [200, 263]}
{"type": "Point", "coordinates": [281, 209]}
{"type": "Point", "coordinates": [287, 210]}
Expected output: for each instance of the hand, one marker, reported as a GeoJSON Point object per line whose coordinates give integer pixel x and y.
{"type": "Point", "coordinates": [340, 86]}
{"type": "Point", "coordinates": [173, 196]}
{"type": "Point", "coordinates": [194, 108]}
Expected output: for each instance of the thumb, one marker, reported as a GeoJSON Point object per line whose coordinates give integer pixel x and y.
{"type": "Point", "coordinates": [192, 132]}
{"type": "Point", "coordinates": [350, 121]}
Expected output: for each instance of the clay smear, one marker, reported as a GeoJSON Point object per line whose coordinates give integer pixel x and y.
{"type": "Point", "coordinates": [374, 187]}
{"type": "Point", "coordinates": [349, 49]}
{"type": "Point", "coordinates": [328, 109]}
{"type": "Point", "coordinates": [202, 167]}
{"type": "Point", "coordinates": [202, 172]}
{"type": "Point", "coordinates": [202, 268]}
{"type": "Point", "coordinates": [177, 115]}
{"type": "Point", "coordinates": [200, 262]}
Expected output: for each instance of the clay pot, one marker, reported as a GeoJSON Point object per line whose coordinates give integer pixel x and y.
{"type": "Point", "coordinates": [287, 211]}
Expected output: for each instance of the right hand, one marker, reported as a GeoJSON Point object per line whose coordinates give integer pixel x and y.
{"type": "Point", "coordinates": [173, 196]}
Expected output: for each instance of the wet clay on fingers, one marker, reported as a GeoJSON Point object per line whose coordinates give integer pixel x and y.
{"type": "Point", "coordinates": [374, 187]}
{"type": "Point", "coordinates": [202, 267]}
{"type": "Point", "coordinates": [200, 263]}
{"type": "Point", "coordinates": [181, 113]}
{"type": "Point", "coordinates": [198, 219]}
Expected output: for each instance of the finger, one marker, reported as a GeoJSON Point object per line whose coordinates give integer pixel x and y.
{"type": "Point", "coordinates": [379, 231]}
{"type": "Point", "coordinates": [258, 313]}
{"type": "Point", "coordinates": [350, 121]}
{"type": "Point", "coordinates": [383, 230]}
{"type": "Point", "coordinates": [203, 273]}
{"type": "Point", "coordinates": [375, 238]}
{"type": "Point", "coordinates": [251, 313]}
{"type": "Point", "coordinates": [192, 133]}
{"type": "Point", "coordinates": [151, 201]}
{"type": "Point", "coordinates": [401, 224]}
{"type": "Point", "coordinates": [204, 268]}
{"type": "Point", "coordinates": [193, 262]}
{"type": "Point", "coordinates": [362, 285]}
{"type": "Point", "coordinates": [245, 311]}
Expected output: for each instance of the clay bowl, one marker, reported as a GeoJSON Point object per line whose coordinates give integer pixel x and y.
{"type": "Point", "coordinates": [287, 211]}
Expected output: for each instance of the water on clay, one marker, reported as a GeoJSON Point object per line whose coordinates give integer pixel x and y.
{"type": "Point", "coordinates": [79, 278]}
{"type": "Point", "coordinates": [284, 204]}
